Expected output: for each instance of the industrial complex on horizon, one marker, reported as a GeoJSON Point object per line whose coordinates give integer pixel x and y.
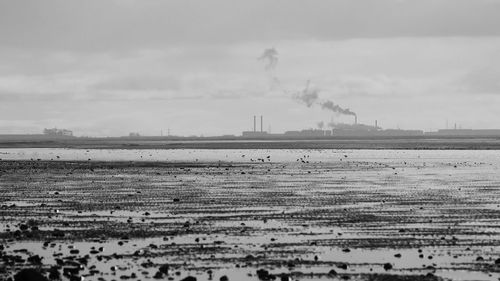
{"type": "Point", "coordinates": [333, 130]}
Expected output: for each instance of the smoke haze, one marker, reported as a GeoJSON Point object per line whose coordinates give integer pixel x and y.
{"type": "Point", "coordinates": [271, 56]}
{"type": "Point", "coordinates": [310, 97]}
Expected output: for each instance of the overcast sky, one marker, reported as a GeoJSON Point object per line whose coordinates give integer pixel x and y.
{"type": "Point", "coordinates": [110, 67]}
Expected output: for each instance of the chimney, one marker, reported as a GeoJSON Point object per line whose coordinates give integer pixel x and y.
{"type": "Point", "coordinates": [376, 124]}
{"type": "Point", "coordinates": [355, 119]}
{"type": "Point", "coordinates": [261, 123]}
{"type": "Point", "coordinates": [254, 123]}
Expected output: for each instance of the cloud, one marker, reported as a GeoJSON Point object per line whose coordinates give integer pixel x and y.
{"type": "Point", "coordinates": [109, 25]}
{"type": "Point", "coordinates": [485, 80]}
{"type": "Point", "coordinates": [440, 76]}
{"type": "Point", "coordinates": [139, 83]}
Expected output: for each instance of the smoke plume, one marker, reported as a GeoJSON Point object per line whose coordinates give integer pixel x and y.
{"type": "Point", "coordinates": [271, 56]}
{"type": "Point", "coordinates": [321, 124]}
{"type": "Point", "coordinates": [308, 96]}
{"type": "Point", "coordinates": [336, 108]}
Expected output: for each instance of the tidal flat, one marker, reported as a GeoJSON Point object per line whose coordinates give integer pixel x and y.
{"type": "Point", "coordinates": [253, 214]}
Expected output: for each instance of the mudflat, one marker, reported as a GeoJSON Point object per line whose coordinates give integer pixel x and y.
{"type": "Point", "coordinates": [410, 217]}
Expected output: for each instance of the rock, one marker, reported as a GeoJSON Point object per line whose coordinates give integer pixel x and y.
{"type": "Point", "coordinates": [387, 266]}
{"type": "Point", "coordinates": [36, 259]}
{"type": "Point", "coordinates": [223, 278]}
{"type": "Point", "coordinates": [342, 266]}
{"type": "Point", "coordinates": [71, 271]}
{"type": "Point", "coordinates": [264, 274]}
{"type": "Point", "coordinates": [58, 233]}
{"type": "Point", "coordinates": [163, 269]}
{"type": "Point", "coordinates": [332, 272]}
{"type": "Point", "coordinates": [189, 278]}
{"type": "Point", "coordinates": [158, 275]}
{"type": "Point", "coordinates": [54, 273]}
{"type": "Point", "coordinates": [285, 277]}
{"type": "Point", "coordinates": [249, 257]}
{"type": "Point", "coordinates": [497, 261]}
{"type": "Point", "coordinates": [29, 274]}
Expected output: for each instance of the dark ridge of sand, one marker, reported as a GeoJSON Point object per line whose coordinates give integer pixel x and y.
{"type": "Point", "coordinates": [337, 143]}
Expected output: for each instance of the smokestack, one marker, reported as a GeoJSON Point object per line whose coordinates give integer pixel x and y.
{"type": "Point", "coordinates": [254, 123]}
{"type": "Point", "coordinates": [261, 123]}
{"type": "Point", "coordinates": [376, 124]}
{"type": "Point", "coordinates": [355, 119]}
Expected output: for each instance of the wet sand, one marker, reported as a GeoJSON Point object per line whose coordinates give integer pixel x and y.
{"type": "Point", "coordinates": [257, 219]}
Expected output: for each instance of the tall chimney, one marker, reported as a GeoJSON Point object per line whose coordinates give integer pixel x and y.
{"type": "Point", "coordinates": [261, 123]}
{"type": "Point", "coordinates": [254, 123]}
{"type": "Point", "coordinates": [376, 124]}
{"type": "Point", "coordinates": [355, 119]}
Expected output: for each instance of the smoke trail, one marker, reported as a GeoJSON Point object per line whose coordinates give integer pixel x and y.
{"type": "Point", "coordinates": [336, 108]}
{"type": "Point", "coordinates": [321, 124]}
{"type": "Point", "coordinates": [271, 55]}
{"type": "Point", "coordinates": [307, 96]}
{"type": "Point", "coordinates": [310, 96]}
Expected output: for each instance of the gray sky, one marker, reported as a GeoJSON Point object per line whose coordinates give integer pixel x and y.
{"type": "Point", "coordinates": [110, 67]}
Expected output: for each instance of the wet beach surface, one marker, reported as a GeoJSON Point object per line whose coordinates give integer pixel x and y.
{"type": "Point", "coordinates": [251, 215]}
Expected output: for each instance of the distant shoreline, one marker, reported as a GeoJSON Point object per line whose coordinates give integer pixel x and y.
{"type": "Point", "coordinates": [411, 143]}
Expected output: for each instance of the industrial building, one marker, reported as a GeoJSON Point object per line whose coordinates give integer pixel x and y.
{"type": "Point", "coordinates": [255, 133]}
{"type": "Point", "coordinates": [58, 132]}
{"type": "Point", "coordinates": [465, 133]}
{"type": "Point", "coordinates": [308, 133]}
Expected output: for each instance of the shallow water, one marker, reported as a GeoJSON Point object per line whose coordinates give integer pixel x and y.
{"type": "Point", "coordinates": [470, 157]}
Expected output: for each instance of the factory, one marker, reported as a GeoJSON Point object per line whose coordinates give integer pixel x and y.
{"type": "Point", "coordinates": [337, 130]}
{"type": "Point", "coordinates": [58, 132]}
{"type": "Point", "coordinates": [465, 133]}
{"type": "Point", "coordinates": [255, 133]}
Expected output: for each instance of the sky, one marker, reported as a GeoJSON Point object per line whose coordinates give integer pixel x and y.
{"type": "Point", "coordinates": [111, 67]}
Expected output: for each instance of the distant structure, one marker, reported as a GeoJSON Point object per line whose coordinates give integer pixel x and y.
{"type": "Point", "coordinates": [337, 130]}
{"type": "Point", "coordinates": [308, 133]}
{"type": "Point", "coordinates": [465, 133]}
{"type": "Point", "coordinates": [58, 132]}
{"type": "Point", "coordinates": [134, 134]}
{"type": "Point", "coordinates": [255, 133]}
{"type": "Point", "coordinates": [362, 130]}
